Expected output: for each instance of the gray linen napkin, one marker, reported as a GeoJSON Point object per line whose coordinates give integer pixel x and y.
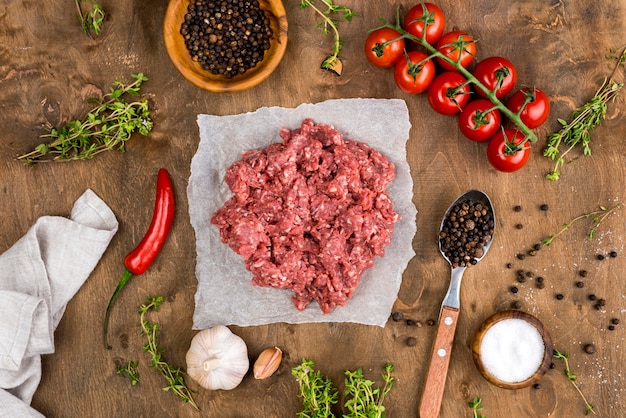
{"type": "Point", "coordinates": [39, 274]}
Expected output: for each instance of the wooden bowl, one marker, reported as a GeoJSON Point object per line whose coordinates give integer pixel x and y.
{"type": "Point", "coordinates": [501, 381]}
{"type": "Point", "coordinates": [193, 71]}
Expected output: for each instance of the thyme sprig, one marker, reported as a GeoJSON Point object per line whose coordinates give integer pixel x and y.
{"type": "Point", "coordinates": [91, 21]}
{"type": "Point", "coordinates": [316, 390]}
{"type": "Point", "coordinates": [331, 15]}
{"type": "Point", "coordinates": [476, 407]}
{"type": "Point", "coordinates": [583, 120]}
{"type": "Point", "coordinates": [129, 370]}
{"type": "Point", "coordinates": [363, 398]}
{"type": "Point", "coordinates": [596, 216]}
{"type": "Point", "coordinates": [106, 127]}
{"type": "Point", "coordinates": [366, 400]}
{"type": "Point", "coordinates": [589, 408]}
{"type": "Point", "coordinates": [173, 375]}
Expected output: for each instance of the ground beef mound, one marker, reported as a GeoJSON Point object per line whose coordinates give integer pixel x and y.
{"type": "Point", "coordinates": [309, 214]}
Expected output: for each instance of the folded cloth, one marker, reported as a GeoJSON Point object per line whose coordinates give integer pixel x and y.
{"type": "Point", "coordinates": [39, 274]}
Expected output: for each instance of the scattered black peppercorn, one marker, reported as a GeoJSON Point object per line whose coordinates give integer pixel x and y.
{"type": "Point", "coordinates": [517, 208]}
{"type": "Point", "coordinates": [514, 289]}
{"type": "Point", "coordinates": [411, 341]}
{"type": "Point", "coordinates": [543, 207]}
{"type": "Point", "coordinates": [591, 297]}
{"type": "Point", "coordinates": [613, 254]}
{"type": "Point", "coordinates": [521, 256]}
{"type": "Point", "coordinates": [559, 296]}
{"type": "Point", "coordinates": [397, 316]}
{"type": "Point", "coordinates": [615, 321]}
{"type": "Point", "coordinates": [529, 274]}
{"type": "Point", "coordinates": [552, 366]}
{"type": "Point", "coordinates": [537, 247]}
{"type": "Point", "coordinates": [410, 322]}
{"type": "Point", "coordinates": [539, 282]}
{"type": "Point", "coordinates": [521, 279]}
{"type": "Point", "coordinates": [611, 327]}
{"type": "Point", "coordinates": [601, 302]}
{"type": "Point", "coordinates": [600, 257]}
{"type": "Point", "coordinates": [583, 273]}
{"type": "Point", "coordinates": [509, 265]}
{"type": "Point", "coordinates": [537, 386]}
{"type": "Point", "coordinates": [589, 348]}
{"type": "Point", "coordinates": [580, 284]}
{"type": "Point", "coordinates": [516, 304]}
{"type": "Point", "coordinates": [519, 226]}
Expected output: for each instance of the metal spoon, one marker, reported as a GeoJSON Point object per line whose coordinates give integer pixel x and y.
{"type": "Point", "coordinates": [430, 402]}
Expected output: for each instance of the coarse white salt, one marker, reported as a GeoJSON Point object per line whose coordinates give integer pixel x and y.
{"type": "Point", "coordinates": [512, 350]}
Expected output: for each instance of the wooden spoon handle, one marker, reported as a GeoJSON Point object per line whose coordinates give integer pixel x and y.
{"type": "Point", "coordinates": [430, 402]}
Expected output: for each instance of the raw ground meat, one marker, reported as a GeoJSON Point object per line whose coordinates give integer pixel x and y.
{"type": "Point", "coordinates": [309, 214]}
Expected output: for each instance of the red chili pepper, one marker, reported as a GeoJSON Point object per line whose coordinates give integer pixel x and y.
{"type": "Point", "coordinates": [140, 259]}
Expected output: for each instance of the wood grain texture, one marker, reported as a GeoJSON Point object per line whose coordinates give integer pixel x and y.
{"type": "Point", "coordinates": [49, 67]}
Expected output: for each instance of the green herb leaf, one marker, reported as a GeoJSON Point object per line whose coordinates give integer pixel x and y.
{"type": "Point", "coordinates": [173, 375]}
{"type": "Point", "coordinates": [129, 370]}
{"type": "Point", "coordinates": [577, 132]}
{"type": "Point", "coordinates": [474, 404]}
{"type": "Point", "coordinates": [331, 16]}
{"type": "Point", "coordinates": [317, 391]}
{"type": "Point", "coordinates": [363, 398]}
{"type": "Point", "coordinates": [92, 20]}
{"type": "Point", "coordinates": [106, 127]}
{"type": "Point", "coordinates": [597, 217]}
{"type": "Point", "coordinates": [572, 378]}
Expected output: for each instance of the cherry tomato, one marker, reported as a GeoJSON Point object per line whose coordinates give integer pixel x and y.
{"type": "Point", "coordinates": [412, 74]}
{"type": "Point", "coordinates": [506, 150]}
{"type": "Point", "coordinates": [444, 94]}
{"type": "Point", "coordinates": [536, 106]}
{"type": "Point", "coordinates": [382, 53]}
{"type": "Point", "coordinates": [434, 19]}
{"type": "Point", "coordinates": [459, 47]}
{"type": "Point", "coordinates": [479, 120]}
{"type": "Point", "coordinates": [497, 74]}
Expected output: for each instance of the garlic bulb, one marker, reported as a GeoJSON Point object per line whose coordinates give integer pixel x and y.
{"type": "Point", "coordinates": [217, 358]}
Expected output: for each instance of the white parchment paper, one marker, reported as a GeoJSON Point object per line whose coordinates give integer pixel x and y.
{"type": "Point", "coordinates": [225, 294]}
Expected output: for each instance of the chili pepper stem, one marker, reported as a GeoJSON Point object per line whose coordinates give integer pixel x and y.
{"type": "Point", "coordinates": [125, 278]}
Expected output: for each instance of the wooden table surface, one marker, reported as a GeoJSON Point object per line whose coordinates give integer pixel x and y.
{"type": "Point", "coordinates": [49, 67]}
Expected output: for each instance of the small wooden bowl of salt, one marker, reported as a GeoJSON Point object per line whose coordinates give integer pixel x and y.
{"type": "Point", "coordinates": [512, 349]}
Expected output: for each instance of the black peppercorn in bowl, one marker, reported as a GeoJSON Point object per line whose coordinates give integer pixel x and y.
{"type": "Point", "coordinates": [225, 45]}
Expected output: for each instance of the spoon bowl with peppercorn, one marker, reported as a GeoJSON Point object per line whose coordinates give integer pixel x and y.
{"type": "Point", "coordinates": [465, 235]}
{"type": "Point", "coordinates": [226, 47]}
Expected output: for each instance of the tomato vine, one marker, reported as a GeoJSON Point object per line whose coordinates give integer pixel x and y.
{"type": "Point", "coordinates": [460, 45]}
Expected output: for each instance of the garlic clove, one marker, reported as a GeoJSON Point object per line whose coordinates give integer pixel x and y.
{"type": "Point", "coordinates": [267, 363]}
